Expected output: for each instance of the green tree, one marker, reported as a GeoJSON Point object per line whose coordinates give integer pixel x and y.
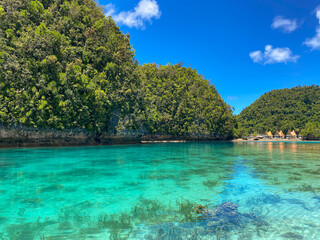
{"type": "Point", "coordinates": [284, 109]}
{"type": "Point", "coordinates": [311, 131]}
{"type": "Point", "coordinates": [176, 100]}
{"type": "Point", "coordinates": [64, 65]}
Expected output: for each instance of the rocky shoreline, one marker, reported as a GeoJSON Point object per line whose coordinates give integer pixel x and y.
{"type": "Point", "coordinates": [32, 137]}
{"type": "Point", "coordinates": [269, 140]}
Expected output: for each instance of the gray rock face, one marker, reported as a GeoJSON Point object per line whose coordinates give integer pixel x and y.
{"type": "Point", "coordinates": [35, 137]}
{"type": "Point", "coordinates": [23, 137]}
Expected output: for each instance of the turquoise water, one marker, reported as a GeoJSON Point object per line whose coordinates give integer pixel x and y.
{"type": "Point", "coordinates": [247, 191]}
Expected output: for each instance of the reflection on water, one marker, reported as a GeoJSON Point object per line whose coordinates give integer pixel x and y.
{"type": "Point", "coordinates": [252, 190]}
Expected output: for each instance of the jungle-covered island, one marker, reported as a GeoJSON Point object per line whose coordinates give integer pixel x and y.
{"type": "Point", "coordinates": [283, 110]}
{"type": "Point", "coordinates": [68, 75]}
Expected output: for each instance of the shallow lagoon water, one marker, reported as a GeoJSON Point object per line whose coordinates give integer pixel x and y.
{"type": "Point", "coordinates": [151, 191]}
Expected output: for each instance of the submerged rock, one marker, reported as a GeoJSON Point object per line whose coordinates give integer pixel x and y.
{"type": "Point", "coordinates": [220, 222]}
{"type": "Point", "coordinates": [291, 235]}
{"type": "Point", "coordinates": [199, 208]}
{"type": "Point", "coordinates": [316, 197]}
{"type": "Point", "coordinates": [227, 215]}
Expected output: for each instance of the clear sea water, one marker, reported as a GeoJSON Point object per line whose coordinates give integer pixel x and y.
{"type": "Point", "coordinates": [151, 191]}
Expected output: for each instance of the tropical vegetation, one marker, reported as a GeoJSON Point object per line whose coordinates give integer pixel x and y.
{"type": "Point", "coordinates": [178, 101]}
{"type": "Point", "coordinates": [296, 109]}
{"type": "Point", "coordinates": [64, 65]}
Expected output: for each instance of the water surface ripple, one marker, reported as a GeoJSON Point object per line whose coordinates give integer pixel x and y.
{"type": "Point", "coordinates": [267, 190]}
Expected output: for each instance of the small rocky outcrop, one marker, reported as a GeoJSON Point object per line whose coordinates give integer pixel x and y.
{"type": "Point", "coordinates": [227, 216]}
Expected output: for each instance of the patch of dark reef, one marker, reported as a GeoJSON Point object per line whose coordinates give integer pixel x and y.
{"type": "Point", "coordinates": [227, 217]}
{"type": "Point", "coordinates": [154, 220]}
{"type": "Point", "coordinates": [210, 183]}
{"type": "Point", "coordinates": [291, 235]}
{"type": "Point", "coordinates": [274, 199]}
{"type": "Point", "coordinates": [304, 188]}
{"type": "Point", "coordinates": [219, 222]}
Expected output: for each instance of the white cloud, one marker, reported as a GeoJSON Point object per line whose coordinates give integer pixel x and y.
{"type": "Point", "coordinates": [273, 55]}
{"type": "Point", "coordinates": [232, 97]}
{"type": "Point", "coordinates": [110, 9]}
{"type": "Point", "coordinates": [314, 43]}
{"type": "Point", "coordinates": [256, 56]}
{"type": "Point", "coordinates": [145, 11]}
{"type": "Point", "coordinates": [284, 24]}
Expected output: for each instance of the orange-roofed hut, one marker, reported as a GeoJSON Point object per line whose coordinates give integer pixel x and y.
{"type": "Point", "coordinates": [277, 135]}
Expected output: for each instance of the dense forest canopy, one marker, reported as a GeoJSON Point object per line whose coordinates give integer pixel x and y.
{"type": "Point", "coordinates": [297, 108]}
{"type": "Point", "coordinates": [178, 101]}
{"type": "Point", "coordinates": [64, 65]}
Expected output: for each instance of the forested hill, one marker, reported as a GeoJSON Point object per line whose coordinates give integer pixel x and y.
{"type": "Point", "coordinates": [286, 109]}
{"type": "Point", "coordinates": [64, 65]}
{"type": "Point", "coordinates": [178, 101]}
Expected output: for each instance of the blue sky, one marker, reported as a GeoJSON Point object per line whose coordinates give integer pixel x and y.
{"type": "Point", "coordinates": [245, 48]}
